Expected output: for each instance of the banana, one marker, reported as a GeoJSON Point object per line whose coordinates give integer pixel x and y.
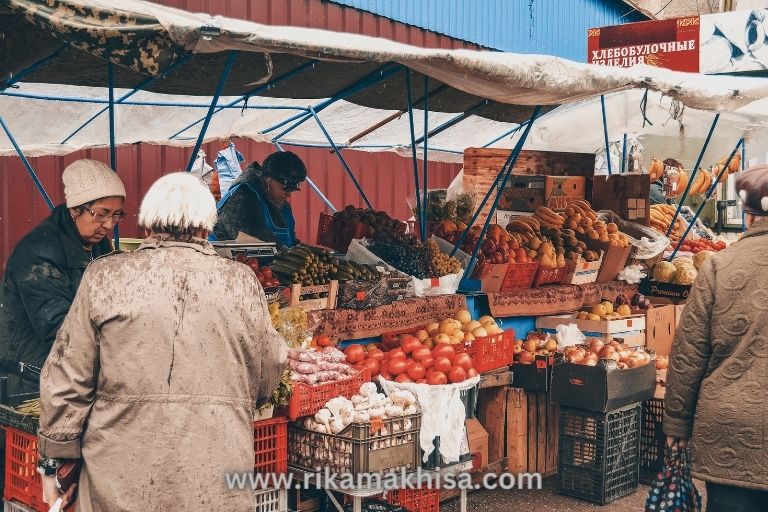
{"type": "Point", "coordinates": [544, 213]}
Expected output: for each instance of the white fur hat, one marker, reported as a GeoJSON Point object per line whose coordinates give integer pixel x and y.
{"type": "Point", "coordinates": [180, 201]}
{"type": "Point", "coordinates": [88, 180]}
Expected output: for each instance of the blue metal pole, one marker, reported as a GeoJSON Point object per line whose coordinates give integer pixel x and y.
{"type": "Point", "coordinates": [26, 71]}
{"type": "Point", "coordinates": [454, 120]}
{"type": "Point", "coordinates": [219, 88]}
{"type": "Point", "coordinates": [509, 166]}
{"type": "Point", "coordinates": [263, 87]}
{"type": "Point", "coordinates": [693, 173]}
{"type": "Point", "coordinates": [506, 134]}
{"type": "Point", "coordinates": [425, 165]}
{"type": "Point", "coordinates": [341, 158]}
{"type": "Point", "coordinates": [624, 155]}
{"type": "Point", "coordinates": [112, 149]}
{"type": "Point", "coordinates": [27, 165]}
{"type": "Point", "coordinates": [380, 74]}
{"type": "Point", "coordinates": [127, 95]}
{"type": "Point", "coordinates": [415, 160]}
{"type": "Point", "coordinates": [723, 172]}
{"type": "Point", "coordinates": [312, 185]}
{"type": "Point", "coordinates": [743, 168]}
{"type": "Point", "coordinates": [302, 116]}
{"type": "Point", "coordinates": [605, 134]}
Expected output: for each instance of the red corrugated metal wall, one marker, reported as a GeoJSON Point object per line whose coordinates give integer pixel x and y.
{"type": "Point", "coordinates": [386, 177]}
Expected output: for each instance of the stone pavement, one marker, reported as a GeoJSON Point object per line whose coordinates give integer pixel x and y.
{"type": "Point", "coordinates": [547, 500]}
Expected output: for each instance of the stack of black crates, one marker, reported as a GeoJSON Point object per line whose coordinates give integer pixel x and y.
{"type": "Point", "coordinates": [601, 414]}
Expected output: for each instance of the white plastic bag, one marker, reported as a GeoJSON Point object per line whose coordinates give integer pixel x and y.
{"type": "Point", "coordinates": [568, 335]}
{"type": "Point", "coordinates": [442, 414]}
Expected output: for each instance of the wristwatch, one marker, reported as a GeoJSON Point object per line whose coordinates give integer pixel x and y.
{"type": "Point", "coordinates": [47, 466]}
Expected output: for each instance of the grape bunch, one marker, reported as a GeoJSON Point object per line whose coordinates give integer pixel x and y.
{"type": "Point", "coordinates": [404, 252]}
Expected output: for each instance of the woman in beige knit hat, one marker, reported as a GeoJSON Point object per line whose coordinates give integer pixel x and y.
{"type": "Point", "coordinates": [46, 266]}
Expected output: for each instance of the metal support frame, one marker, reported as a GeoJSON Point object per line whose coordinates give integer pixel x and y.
{"type": "Point", "coordinates": [723, 172]}
{"type": "Point", "coordinates": [605, 134]}
{"type": "Point", "coordinates": [412, 133]}
{"type": "Point", "coordinates": [455, 120]}
{"type": "Point", "coordinates": [341, 158]}
{"type": "Point", "coordinates": [508, 133]}
{"type": "Point", "coordinates": [377, 76]}
{"type": "Point", "coordinates": [263, 87]}
{"type": "Point", "coordinates": [693, 174]}
{"type": "Point", "coordinates": [127, 95]}
{"type": "Point", "coordinates": [31, 68]}
{"type": "Point", "coordinates": [312, 185]}
{"type": "Point", "coordinates": [624, 155]}
{"type": "Point", "coordinates": [425, 153]}
{"type": "Point", "coordinates": [27, 165]}
{"type": "Point", "coordinates": [219, 88]}
{"type": "Point", "coordinates": [507, 170]}
{"type": "Point", "coordinates": [112, 148]}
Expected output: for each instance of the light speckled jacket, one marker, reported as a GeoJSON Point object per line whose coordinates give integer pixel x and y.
{"type": "Point", "coordinates": [717, 382]}
{"type": "Point", "coordinates": [154, 377]}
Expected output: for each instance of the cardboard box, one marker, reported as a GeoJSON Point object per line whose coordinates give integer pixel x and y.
{"type": "Point", "coordinates": [627, 195]}
{"type": "Point", "coordinates": [491, 276]}
{"type": "Point", "coordinates": [585, 272]}
{"type": "Point", "coordinates": [593, 388]}
{"type": "Point", "coordinates": [478, 443]}
{"type": "Point", "coordinates": [526, 193]}
{"type": "Point", "coordinates": [505, 217]}
{"type": "Point", "coordinates": [614, 327]}
{"type": "Point", "coordinates": [660, 329]}
{"type": "Point", "coordinates": [614, 257]}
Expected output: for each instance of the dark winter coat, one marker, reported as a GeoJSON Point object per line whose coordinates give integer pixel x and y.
{"type": "Point", "coordinates": [41, 279]}
{"type": "Point", "coordinates": [716, 382]}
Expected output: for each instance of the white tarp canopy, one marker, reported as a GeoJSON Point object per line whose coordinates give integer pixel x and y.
{"type": "Point", "coordinates": [513, 83]}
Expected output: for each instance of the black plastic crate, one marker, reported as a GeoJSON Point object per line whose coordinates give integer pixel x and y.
{"type": "Point", "coordinates": [469, 397]}
{"type": "Point", "coordinates": [599, 453]}
{"type": "Point", "coordinates": [376, 505]}
{"type": "Point", "coordinates": [652, 441]}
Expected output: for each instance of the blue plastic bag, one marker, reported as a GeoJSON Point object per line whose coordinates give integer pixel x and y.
{"type": "Point", "coordinates": [673, 490]}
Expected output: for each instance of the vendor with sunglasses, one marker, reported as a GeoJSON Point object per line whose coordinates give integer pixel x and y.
{"type": "Point", "coordinates": [44, 271]}
{"type": "Point", "coordinates": [257, 202]}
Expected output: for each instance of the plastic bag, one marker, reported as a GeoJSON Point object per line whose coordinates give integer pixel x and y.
{"type": "Point", "coordinates": [673, 490]}
{"type": "Point", "coordinates": [568, 336]}
{"type": "Point", "coordinates": [632, 274]}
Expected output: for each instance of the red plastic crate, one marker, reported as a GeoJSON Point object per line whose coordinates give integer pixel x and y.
{"type": "Point", "coordinates": [22, 481]}
{"type": "Point", "coordinates": [519, 275]}
{"type": "Point", "coordinates": [416, 500]}
{"type": "Point", "coordinates": [491, 352]}
{"type": "Point", "coordinates": [270, 443]}
{"type": "Point", "coordinates": [550, 276]}
{"type": "Point", "coordinates": [306, 400]}
{"type": "Point", "coordinates": [325, 230]}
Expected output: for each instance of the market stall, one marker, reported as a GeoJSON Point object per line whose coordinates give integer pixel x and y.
{"type": "Point", "coordinates": [477, 335]}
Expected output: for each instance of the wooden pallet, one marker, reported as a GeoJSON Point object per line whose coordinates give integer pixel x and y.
{"type": "Point", "coordinates": [532, 432]}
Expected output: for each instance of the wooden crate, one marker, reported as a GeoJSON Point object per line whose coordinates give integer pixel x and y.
{"type": "Point", "coordinates": [298, 292]}
{"type": "Point", "coordinates": [532, 432]}
{"type": "Point", "coordinates": [491, 405]}
{"type": "Point", "coordinates": [481, 165]}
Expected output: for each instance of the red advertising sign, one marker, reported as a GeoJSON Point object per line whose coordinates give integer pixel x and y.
{"type": "Point", "coordinates": [671, 44]}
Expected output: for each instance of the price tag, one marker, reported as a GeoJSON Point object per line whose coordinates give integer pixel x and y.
{"type": "Point", "coordinates": [360, 295]}
{"type": "Point", "coordinates": [435, 282]}
{"type": "Point", "coordinates": [376, 425]}
{"type": "Point", "coordinates": [541, 363]}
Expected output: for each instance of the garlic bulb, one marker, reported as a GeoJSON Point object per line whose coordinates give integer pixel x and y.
{"type": "Point", "coordinates": [337, 425]}
{"type": "Point", "coordinates": [362, 417]}
{"type": "Point", "coordinates": [323, 416]}
{"type": "Point", "coordinates": [394, 411]}
{"type": "Point", "coordinates": [358, 399]}
{"type": "Point", "coordinates": [407, 424]}
{"type": "Point", "coordinates": [377, 412]}
{"type": "Point", "coordinates": [410, 410]}
{"type": "Point", "coordinates": [321, 428]}
{"type": "Point", "coordinates": [368, 389]}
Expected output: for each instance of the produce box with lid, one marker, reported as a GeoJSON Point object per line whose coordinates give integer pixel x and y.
{"type": "Point", "coordinates": [632, 324]}
{"type": "Point", "coordinates": [382, 446]}
{"type": "Point", "coordinates": [526, 193]}
{"type": "Point", "coordinates": [627, 195]}
{"type": "Point", "coordinates": [673, 293]}
{"type": "Point", "coordinates": [595, 388]}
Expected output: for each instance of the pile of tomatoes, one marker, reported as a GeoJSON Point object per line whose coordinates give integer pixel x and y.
{"type": "Point", "coordinates": [696, 246]}
{"type": "Point", "coordinates": [412, 361]}
{"type": "Point", "coordinates": [263, 274]}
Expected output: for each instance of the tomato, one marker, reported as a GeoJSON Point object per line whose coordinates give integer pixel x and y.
{"type": "Point", "coordinates": [403, 378]}
{"type": "Point", "coordinates": [421, 381]}
{"type": "Point", "coordinates": [421, 353]}
{"type": "Point", "coordinates": [396, 353]}
{"type": "Point", "coordinates": [376, 354]}
{"type": "Point", "coordinates": [471, 373]}
{"type": "Point", "coordinates": [372, 365]}
{"type": "Point", "coordinates": [443, 350]}
{"type": "Point", "coordinates": [442, 364]}
{"type": "Point", "coordinates": [696, 250]}
{"type": "Point", "coordinates": [396, 366]}
{"type": "Point", "coordinates": [417, 371]}
{"type": "Point", "coordinates": [436, 378]}
{"type": "Point", "coordinates": [385, 374]}
{"type": "Point", "coordinates": [323, 341]}
{"type": "Point", "coordinates": [427, 362]}
{"type": "Point", "coordinates": [720, 245]}
{"type": "Point", "coordinates": [463, 361]}
{"type": "Point", "coordinates": [354, 353]}
{"type": "Point", "coordinates": [457, 374]}
{"type": "Point", "coordinates": [409, 344]}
